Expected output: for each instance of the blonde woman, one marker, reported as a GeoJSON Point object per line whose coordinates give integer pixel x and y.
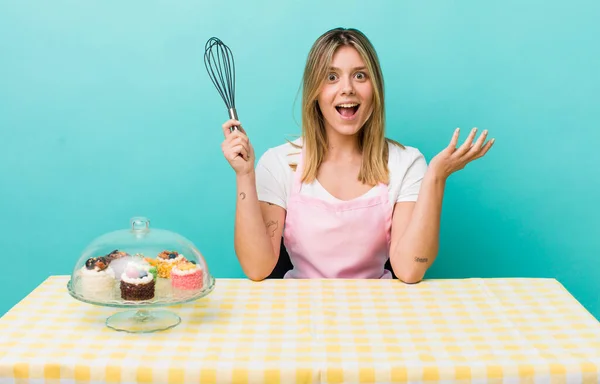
{"type": "Point", "coordinates": [345, 199]}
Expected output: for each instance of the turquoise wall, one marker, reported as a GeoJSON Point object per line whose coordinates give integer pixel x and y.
{"type": "Point", "coordinates": [106, 112]}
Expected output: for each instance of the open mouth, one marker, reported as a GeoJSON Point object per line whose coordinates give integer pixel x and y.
{"type": "Point", "coordinates": [348, 111]}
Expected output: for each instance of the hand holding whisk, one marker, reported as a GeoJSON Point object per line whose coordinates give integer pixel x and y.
{"type": "Point", "coordinates": [218, 60]}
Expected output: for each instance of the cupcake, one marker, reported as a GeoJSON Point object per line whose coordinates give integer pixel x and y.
{"type": "Point", "coordinates": [166, 261]}
{"type": "Point", "coordinates": [96, 279]}
{"type": "Point", "coordinates": [118, 261]}
{"type": "Point", "coordinates": [116, 254]}
{"type": "Point", "coordinates": [137, 283]}
{"type": "Point", "coordinates": [145, 263]}
{"type": "Point", "coordinates": [186, 275]}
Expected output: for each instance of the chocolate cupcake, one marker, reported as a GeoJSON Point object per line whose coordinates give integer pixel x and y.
{"type": "Point", "coordinates": [137, 283]}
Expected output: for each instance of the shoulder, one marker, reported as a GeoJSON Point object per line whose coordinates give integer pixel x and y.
{"type": "Point", "coordinates": [403, 156]}
{"type": "Point", "coordinates": [282, 156]}
{"type": "Point", "coordinates": [407, 167]}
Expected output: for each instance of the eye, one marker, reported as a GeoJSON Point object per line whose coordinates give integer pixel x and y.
{"type": "Point", "coordinates": [361, 76]}
{"type": "Point", "coordinates": [332, 77]}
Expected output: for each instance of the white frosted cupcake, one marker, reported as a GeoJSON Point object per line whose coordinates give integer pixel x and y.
{"type": "Point", "coordinates": [96, 279]}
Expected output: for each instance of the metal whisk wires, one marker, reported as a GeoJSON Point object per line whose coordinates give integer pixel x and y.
{"type": "Point", "coordinates": [220, 66]}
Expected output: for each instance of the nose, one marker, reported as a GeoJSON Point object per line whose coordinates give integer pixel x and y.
{"type": "Point", "coordinates": [347, 87]}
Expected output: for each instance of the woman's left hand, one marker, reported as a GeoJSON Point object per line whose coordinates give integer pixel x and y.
{"type": "Point", "coordinates": [453, 159]}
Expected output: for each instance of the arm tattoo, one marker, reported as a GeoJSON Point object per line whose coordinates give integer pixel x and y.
{"type": "Point", "coordinates": [419, 260]}
{"type": "Point", "coordinates": [271, 227]}
{"type": "Point", "coordinates": [242, 195]}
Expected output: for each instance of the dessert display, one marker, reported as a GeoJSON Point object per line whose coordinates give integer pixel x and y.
{"type": "Point", "coordinates": [139, 267]}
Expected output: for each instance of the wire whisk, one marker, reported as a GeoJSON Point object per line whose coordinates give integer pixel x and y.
{"type": "Point", "coordinates": [220, 66]}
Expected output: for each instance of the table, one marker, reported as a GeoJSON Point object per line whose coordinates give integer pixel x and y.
{"type": "Point", "coordinates": [307, 331]}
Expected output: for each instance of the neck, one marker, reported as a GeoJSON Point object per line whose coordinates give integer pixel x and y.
{"type": "Point", "coordinates": [341, 147]}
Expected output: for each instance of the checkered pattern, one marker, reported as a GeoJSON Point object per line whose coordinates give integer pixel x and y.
{"type": "Point", "coordinates": [306, 331]}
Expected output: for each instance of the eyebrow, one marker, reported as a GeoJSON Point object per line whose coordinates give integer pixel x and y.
{"type": "Point", "coordinates": [353, 69]}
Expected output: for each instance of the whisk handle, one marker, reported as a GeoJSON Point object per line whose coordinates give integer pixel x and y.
{"type": "Point", "coordinates": [233, 115]}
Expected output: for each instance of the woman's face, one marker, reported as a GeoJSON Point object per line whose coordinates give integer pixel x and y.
{"type": "Point", "coordinates": [346, 98]}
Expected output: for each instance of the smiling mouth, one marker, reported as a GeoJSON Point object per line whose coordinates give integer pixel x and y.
{"type": "Point", "coordinates": [347, 111]}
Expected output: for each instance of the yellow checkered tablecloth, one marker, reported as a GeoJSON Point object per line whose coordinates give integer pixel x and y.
{"type": "Point", "coordinates": [306, 331]}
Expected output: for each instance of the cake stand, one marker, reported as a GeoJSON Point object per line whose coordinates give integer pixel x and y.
{"type": "Point", "coordinates": [143, 316]}
{"type": "Point", "coordinates": [139, 247]}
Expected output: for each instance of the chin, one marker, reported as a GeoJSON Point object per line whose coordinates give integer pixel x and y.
{"type": "Point", "coordinates": [348, 131]}
{"type": "Point", "coordinates": [348, 127]}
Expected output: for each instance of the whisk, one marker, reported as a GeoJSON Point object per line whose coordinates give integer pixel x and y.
{"type": "Point", "coordinates": [218, 60]}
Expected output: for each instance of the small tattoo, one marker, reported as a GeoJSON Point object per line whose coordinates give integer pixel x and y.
{"type": "Point", "coordinates": [271, 227]}
{"type": "Point", "coordinates": [419, 260]}
{"type": "Point", "coordinates": [270, 203]}
{"type": "Point", "coordinates": [243, 195]}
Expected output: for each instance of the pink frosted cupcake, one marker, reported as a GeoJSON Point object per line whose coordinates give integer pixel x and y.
{"type": "Point", "coordinates": [187, 276]}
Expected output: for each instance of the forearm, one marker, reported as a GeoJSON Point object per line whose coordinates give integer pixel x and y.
{"type": "Point", "coordinates": [416, 250]}
{"type": "Point", "coordinates": [252, 244]}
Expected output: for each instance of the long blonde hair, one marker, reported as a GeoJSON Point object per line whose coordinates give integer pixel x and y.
{"type": "Point", "coordinates": [371, 137]}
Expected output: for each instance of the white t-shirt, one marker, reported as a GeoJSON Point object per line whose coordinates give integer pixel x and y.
{"type": "Point", "coordinates": [275, 177]}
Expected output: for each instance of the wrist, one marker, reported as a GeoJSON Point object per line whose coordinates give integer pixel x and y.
{"type": "Point", "coordinates": [245, 177]}
{"type": "Point", "coordinates": [436, 176]}
{"type": "Point", "coordinates": [436, 173]}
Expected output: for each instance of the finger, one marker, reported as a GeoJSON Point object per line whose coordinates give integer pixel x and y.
{"type": "Point", "coordinates": [486, 148]}
{"type": "Point", "coordinates": [227, 126]}
{"type": "Point", "coordinates": [240, 128]}
{"type": "Point", "coordinates": [237, 137]}
{"type": "Point", "coordinates": [241, 142]}
{"type": "Point", "coordinates": [237, 128]}
{"type": "Point", "coordinates": [239, 150]}
{"type": "Point", "coordinates": [467, 144]}
{"type": "Point", "coordinates": [452, 146]}
{"type": "Point", "coordinates": [478, 145]}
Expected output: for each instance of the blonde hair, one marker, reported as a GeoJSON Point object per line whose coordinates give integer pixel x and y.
{"type": "Point", "coordinates": [371, 137]}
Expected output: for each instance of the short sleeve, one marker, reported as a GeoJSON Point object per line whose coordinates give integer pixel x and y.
{"type": "Point", "coordinates": [411, 183]}
{"type": "Point", "coordinates": [270, 180]}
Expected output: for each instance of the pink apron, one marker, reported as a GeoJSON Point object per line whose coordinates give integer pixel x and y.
{"type": "Point", "coordinates": [345, 239]}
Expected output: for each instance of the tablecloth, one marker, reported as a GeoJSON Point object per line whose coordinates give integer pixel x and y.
{"type": "Point", "coordinates": [314, 331]}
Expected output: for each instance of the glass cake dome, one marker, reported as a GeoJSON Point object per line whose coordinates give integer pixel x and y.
{"type": "Point", "coordinates": [142, 268]}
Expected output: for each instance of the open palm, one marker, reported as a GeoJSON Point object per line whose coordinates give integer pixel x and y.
{"type": "Point", "coordinates": [453, 159]}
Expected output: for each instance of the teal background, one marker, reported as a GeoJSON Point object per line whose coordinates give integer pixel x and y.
{"type": "Point", "coordinates": [106, 112]}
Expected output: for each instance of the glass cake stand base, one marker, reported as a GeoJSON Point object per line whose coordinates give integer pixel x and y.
{"type": "Point", "coordinates": [143, 321]}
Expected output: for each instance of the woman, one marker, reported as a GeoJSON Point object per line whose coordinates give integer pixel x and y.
{"type": "Point", "coordinates": [344, 198]}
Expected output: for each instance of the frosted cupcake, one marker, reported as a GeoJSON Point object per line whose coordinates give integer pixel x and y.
{"type": "Point", "coordinates": [96, 279]}
{"type": "Point", "coordinates": [187, 276]}
{"type": "Point", "coordinates": [144, 262]}
{"type": "Point", "coordinates": [137, 283]}
{"type": "Point", "coordinates": [166, 261]}
{"type": "Point", "coordinates": [116, 254]}
{"type": "Point", "coordinates": [118, 261]}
